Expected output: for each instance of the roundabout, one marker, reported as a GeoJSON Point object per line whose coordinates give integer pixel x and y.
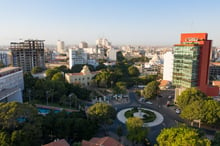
{"type": "Point", "coordinates": [158, 119]}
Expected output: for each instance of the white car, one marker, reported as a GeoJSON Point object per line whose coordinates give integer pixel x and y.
{"type": "Point", "coordinates": [141, 99]}
{"type": "Point", "coordinates": [148, 102]}
{"type": "Point", "coordinates": [178, 111]}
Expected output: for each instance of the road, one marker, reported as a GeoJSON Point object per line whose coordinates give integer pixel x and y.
{"type": "Point", "coordinates": [170, 117]}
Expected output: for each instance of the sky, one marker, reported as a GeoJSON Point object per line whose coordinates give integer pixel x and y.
{"type": "Point", "coordinates": [122, 22]}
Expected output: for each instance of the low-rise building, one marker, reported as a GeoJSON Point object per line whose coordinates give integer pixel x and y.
{"type": "Point", "coordinates": [84, 77]}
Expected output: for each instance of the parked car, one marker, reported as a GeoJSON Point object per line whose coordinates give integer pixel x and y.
{"type": "Point", "coordinates": [178, 111]}
{"type": "Point", "coordinates": [141, 99]}
{"type": "Point", "coordinates": [148, 102]}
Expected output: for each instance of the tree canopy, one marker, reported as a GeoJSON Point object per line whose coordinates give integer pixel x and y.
{"type": "Point", "coordinates": [208, 111]}
{"type": "Point", "coordinates": [133, 71]}
{"type": "Point", "coordinates": [188, 96]}
{"type": "Point", "coordinates": [58, 77]}
{"type": "Point", "coordinates": [136, 131]}
{"type": "Point", "coordinates": [36, 69]}
{"type": "Point", "coordinates": [151, 90]}
{"type": "Point", "coordinates": [101, 112]}
{"type": "Point", "coordinates": [20, 125]}
{"type": "Point", "coordinates": [181, 136]}
{"type": "Point", "coordinates": [50, 73]}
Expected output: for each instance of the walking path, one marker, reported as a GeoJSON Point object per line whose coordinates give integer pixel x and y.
{"type": "Point", "coordinates": [159, 118]}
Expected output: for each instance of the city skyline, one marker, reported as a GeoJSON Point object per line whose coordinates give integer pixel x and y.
{"type": "Point", "coordinates": [125, 22]}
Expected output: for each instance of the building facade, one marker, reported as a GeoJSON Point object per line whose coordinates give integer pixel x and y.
{"type": "Point", "coordinates": [60, 47]}
{"type": "Point", "coordinates": [84, 77]}
{"type": "Point", "coordinates": [11, 84]}
{"type": "Point", "coordinates": [28, 54]}
{"type": "Point", "coordinates": [83, 45]}
{"type": "Point", "coordinates": [5, 57]}
{"type": "Point", "coordinates": [191, 63]}
{"type": "Point", "coordinates": [77, 56]}
{"type": "Point", "coordinates": [168, 66]}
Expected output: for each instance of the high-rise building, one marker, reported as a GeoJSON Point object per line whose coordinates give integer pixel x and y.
{"type": "Point", "coordinates": [83, 45]}
{"type": "Point", "coordinates": [11, 84]}
{"type": "Point", "coordinates": [191, 63]}
{"type": "Point", "coordinates": [28, 54]}
{"type": "Point", "coordinates": [77, 56]}
{"type": "Point", "coordinates": [60, 47]}
{"type": "Point", "coordinates": [168, 66]}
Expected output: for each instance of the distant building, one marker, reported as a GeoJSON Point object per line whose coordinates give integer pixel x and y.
{"type": "Point", "coordinates": [214, 71]}
{"type": "Point", "coordinates": [112, 54]}
{"type": "Point", "coordinates": [168, 66]}
{"type": "Point", "coordinates": [60, 47]}
{"type": "Point", "coordinates": [84, 77]}
{"type": "Point", "coordinates": [103, 43]}
{"type": "Point", "coordinates": [11, 84]}
{"type": "Point", "coordinates": [28, 54]}
{"type": "Point", "coordinates": [191, 63]}
{"type": "Point", "coordinates": [83, 45]}
{"type": "Point", "coordinates": [77, 56]}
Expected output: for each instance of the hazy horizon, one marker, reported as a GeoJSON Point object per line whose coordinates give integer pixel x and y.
{"type": "Point", "coordinates": [125, 22]}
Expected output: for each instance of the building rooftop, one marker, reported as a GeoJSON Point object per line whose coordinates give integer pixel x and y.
{"type": "Point", "coordinates": [61, 142]}
{"type": "Point", "coordinates": [8, 70]}
{"type": "Point", "coordinates": [215, 63]}
{"type": "Point", "coordinates": [105, 141]}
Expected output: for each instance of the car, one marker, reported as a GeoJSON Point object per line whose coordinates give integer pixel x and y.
{"type": "Point", "coordinates": [141, 99]}
{"type": "Point", "coordinates": [178, 111]}
{"type": "Point", "coordinates": [170, 97]}
{"type": "Point", "coordinates": [148, 102]}
{"type": "Point", "coordinates": [160, 96]}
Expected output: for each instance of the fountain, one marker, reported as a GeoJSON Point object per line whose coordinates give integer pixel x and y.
{"type": "Point", "coordinates": [139, 114]}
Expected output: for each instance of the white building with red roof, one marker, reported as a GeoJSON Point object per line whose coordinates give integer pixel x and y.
{"type": "Point", "coordinates": [84, 77]}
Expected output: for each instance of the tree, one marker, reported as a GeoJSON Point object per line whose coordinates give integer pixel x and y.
{"type": "Point", "coordinates": [133, 71]}
{"type": "Point", "coordinates": [36, 69]}
{"type": "Point", "coordinates": [193, 111]}
{"type": "Point", "coordinates": [151, 90]}
{"type": "Point", "coordinates": [188, 96]}
{"type": "Point", "coordinates": [181, 136]}
{"type": "Point", "coordinates": [58, 77]}
{"type": "Point", "coordinates": [208, 111]}
{"type": "Point", "coordinates": [120, 88]}
{"type": "Point", "coordinates": [211, 111]}
{"type": "Point", "coordinates": [103, 77]}
{"type": "Point", "coordinates": [136, 131]}
{"type": "Point", "coordinates": [101, 112]}
{"type": "Point", "coordinates": [50, 73]}
{"type": "Point", "coordinates": [120, 56]}
{"type": "Point", "coordinates": [21, 125]}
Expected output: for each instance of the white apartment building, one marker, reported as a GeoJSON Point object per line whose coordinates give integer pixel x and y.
{"type": "Point", "coordinates": [103, 43]}
{"type": "Point", "coordinates": [84, 77]}
{"type": "Point", "coordinates": [11, 84]}
{"type": "Point", "coordinates": [112, 54]}
{"type": "Point", "coordinates": [60, 47]}
{"type": "Point", "coordinates": [168, 66]}
{"type": "Point", "coordinates": [77, 56]}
